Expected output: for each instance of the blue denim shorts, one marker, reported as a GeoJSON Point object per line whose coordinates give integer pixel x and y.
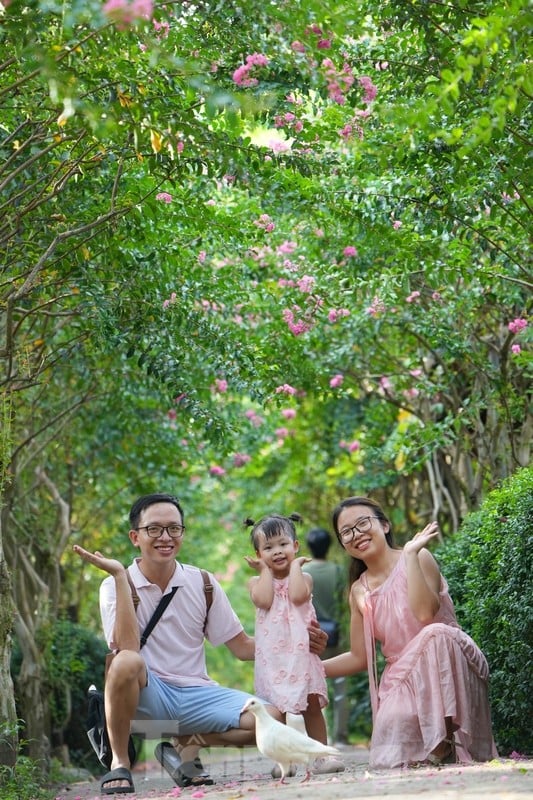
{"type": "Point", "coordinates": [177, 710]}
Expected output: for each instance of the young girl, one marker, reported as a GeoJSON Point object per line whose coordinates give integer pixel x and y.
{"type": "Point", "coordinates": [286, 673]}
{"type": "Point", "coordinates": [432, 698]}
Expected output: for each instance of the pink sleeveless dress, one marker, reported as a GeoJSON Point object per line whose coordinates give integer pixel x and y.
{"type": "Point", "coordinates": [285, 671]}
{"type": "Point", "coordinates": [432, 671]}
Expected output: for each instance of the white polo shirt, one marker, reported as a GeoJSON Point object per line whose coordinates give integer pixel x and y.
{"type": "Point", "coordinates": [175, 648]}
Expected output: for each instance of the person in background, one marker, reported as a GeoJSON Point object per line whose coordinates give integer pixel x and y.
{"type": "Point", "coordinates": [330, 590]}
{"type": "Point", "coordinates": [431, 705]}
{"type": "Point", "coordinates": [287, 675]}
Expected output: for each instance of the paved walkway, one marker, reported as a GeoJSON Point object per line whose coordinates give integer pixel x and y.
{"type": "Point", "coordinates": [246, 774]}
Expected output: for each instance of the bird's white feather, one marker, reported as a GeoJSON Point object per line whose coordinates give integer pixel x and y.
{"type": "Point", "coordinates": [284, 744]}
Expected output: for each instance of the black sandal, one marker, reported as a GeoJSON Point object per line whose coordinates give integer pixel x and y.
{"type": "Point", "coordinates": [114, 775]}
{"type": "Point", "coordinates": [183, 773]}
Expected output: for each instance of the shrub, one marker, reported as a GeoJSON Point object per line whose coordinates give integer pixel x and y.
{"type": "Point", "coordinates": [488, 566]}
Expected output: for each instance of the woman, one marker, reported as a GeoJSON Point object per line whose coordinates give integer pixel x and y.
{"type": "Point", "coordinates": [432, 704]}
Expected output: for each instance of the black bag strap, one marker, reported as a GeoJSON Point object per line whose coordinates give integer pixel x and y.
{"type": "Point", "coordinates": [156, 616]}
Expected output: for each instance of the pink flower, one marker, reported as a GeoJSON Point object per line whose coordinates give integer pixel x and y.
{"type": "Point", "coordinates": [324, 44]}
{"type": "Point", "coordinates": [288, 413]}
{"type": "Point", "coordinates": [265, 222]}
{"type": "Point", "coordinates": [281, 433]}
{"type": "Point", "coordinates": [171, 413]}
{"type": "Point", "coordinates": [370, 90]}
{"type": "Point", "coordinates": [286, 247]}
{"type": "Point", "coordinates": [164, 197]}
{"type": "Point", "coordinates": [416, 373]}
{"type": "Point", "coordinates": [306, 284]}
{"type": "Point", "coordinates": [517, 325]}
{"type": "Point", "coordinates": [222, 385]}
{"type": "Point", "coordinates": [216, 470]}
{"type": "Point", "coordinates": [298, 47]}
{"type": "Point", "coordinates": [336, 381]}
{"type": "Point", "coordinates": [412, 297]}
{"type": "Point", "coordinates": [516, 349]}
{"type": "Point", "coordinates": [350, 251]}
{"type": "Point", "coordinates": [377, 307]}
{"type": "Point", "coordinates": [241, 76]}
{"type": "Point", "coordinates": [337, 313]}
{"type": "Point", "coordinates": [397, 223]}
{"type": "Point", "coordinates": [285, 388]}
{"type": "Point", "coordinates": [201, 256]}
{"type": "Point", "coordinates": [299, 327]}
{"type": "Point", "coordinates": [240, 459]}
{"type": "Point", "coordinates": [385, 383]}
{"type": "Point", "coordinates": [353, 446]}
{"type": "Point", "coordinates": [124, 13]}
{"type": "Point", "coordinates": [257, 59]}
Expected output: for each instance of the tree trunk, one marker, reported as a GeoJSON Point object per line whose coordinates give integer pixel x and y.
{"type": "Point", "coordinates": [8, 715]}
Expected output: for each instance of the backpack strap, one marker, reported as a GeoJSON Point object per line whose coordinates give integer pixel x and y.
{"type": "Point", "coordinates": [208, 589]}
{"type": "Point", "coordinates": [134, 596]}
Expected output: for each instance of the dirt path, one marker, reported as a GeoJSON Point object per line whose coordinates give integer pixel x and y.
{"type": "Point", "coordinates": [246, 774]}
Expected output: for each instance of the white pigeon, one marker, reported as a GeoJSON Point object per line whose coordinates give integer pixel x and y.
{"type": "Point", "coordinates": [283, 744]}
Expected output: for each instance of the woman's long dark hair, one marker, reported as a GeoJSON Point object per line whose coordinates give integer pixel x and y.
{"type": "Point", "coordinates": [357, 567]}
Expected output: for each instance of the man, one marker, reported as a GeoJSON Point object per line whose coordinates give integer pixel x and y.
{"type": "Point", "coordinates": [330, 588]}
{"type": "Point", "coordinates": [168, 680]}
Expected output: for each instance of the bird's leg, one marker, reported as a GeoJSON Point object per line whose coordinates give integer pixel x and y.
{"type": "Point", "coordinates": [306, 776]}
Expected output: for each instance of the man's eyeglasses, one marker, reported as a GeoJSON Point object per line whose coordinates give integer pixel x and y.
{"type": "Point", "coordinates": [155, 531]}
{"type": "Point", "coordinates": [361, 526]}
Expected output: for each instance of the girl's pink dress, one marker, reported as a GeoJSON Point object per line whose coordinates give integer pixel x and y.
{"type": "Point", "coordinates": [432, 671]}
{"type": "Point", "coordinates": [285, 671]}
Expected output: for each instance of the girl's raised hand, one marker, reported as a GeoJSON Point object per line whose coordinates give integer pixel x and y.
{"type": "Point", "coordinates": [421, 538]}
{"type": "Point", "coordinates": [255, 563]}
{"type": "Point", "coordinates": [301, 560]}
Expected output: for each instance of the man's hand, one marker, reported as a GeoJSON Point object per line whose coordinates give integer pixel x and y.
{"type": "Point", "coordinates": [110, 565]}
{"type": "Point", "coordinates": [318, 638]}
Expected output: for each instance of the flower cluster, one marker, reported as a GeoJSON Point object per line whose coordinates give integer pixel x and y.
{"type": "Point", "coordinates": [515, 326]}
{"type": "Point", "coordinates": [376, 307]}
{"type": "Point", "coordinates": [289, 120]}
{"type": "Point", "coordinates": [265, 222]}
{"type": "Point", "coordinates": [339, 82]}
{"type": "Point", "coordinates": [296, 326]}
{"type": "Point", "coordinates": [125, 13]}
{"type": "Point", "coordinates": [370, 90]}
{"type": "Point", "coordinates": [254, 417]}
{"type": "Point", "coordinates": [351, 447]}
{"type": "Point", "coordinates": [285, 388]}
{"type": "Point", "coordinates": [335, 314]}
{"type": "Point", "coordinates": [241, 76]}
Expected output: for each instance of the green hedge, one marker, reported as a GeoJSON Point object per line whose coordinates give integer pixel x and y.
{"type": "Point", "coordinates": [488, 565]}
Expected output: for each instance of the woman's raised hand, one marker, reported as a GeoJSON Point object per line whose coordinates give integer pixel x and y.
{"type": "Point", "coordinates": [421, 538]}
